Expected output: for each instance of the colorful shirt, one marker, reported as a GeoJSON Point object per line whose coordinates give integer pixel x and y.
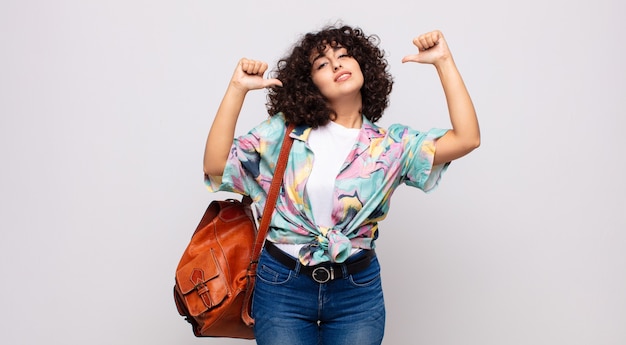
{"type": "Point", "coordinates": [379, 162]}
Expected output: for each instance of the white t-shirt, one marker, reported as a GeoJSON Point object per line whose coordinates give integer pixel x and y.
{"type": "Point", "coordinates": [330, 145]}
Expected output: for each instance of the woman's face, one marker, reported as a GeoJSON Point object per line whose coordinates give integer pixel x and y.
{"type": "Point", "coordinates": [336, 73]}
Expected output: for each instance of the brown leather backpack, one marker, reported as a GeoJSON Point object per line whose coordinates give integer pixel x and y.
{"type": "Point", "coordinates": [212, 276]}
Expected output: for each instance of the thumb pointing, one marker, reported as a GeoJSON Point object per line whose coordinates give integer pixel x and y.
{"type": "Point", "coordinates": [273, 82]}
{"type": "Point", "coordinates": [412, 58]}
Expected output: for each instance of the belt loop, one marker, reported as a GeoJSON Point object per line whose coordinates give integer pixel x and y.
{"type": "Point", "coordinates": [344, 269]}
{"type": "Point", "coordinates": [298, 266]}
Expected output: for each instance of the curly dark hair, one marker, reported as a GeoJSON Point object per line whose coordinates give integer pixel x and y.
{"type": "Point", "coordinates": [301, 101]}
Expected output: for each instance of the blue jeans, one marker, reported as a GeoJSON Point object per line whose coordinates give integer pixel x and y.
{"type": "Point", "coordinates": [291, 309]}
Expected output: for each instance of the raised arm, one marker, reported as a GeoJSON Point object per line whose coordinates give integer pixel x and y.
{"type": "Point", "coordinates": [465, 134]}
{"type": "Point", "coordinates": [248, 76]}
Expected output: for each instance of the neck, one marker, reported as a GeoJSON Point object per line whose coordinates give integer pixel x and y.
{"type": "Point", "coordinates": [352, 121]}
{"type": "Point", "coordinates": [348, 114]}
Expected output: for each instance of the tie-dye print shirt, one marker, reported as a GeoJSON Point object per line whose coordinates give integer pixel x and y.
{"type": "Point", "coordinates": [379, 162]}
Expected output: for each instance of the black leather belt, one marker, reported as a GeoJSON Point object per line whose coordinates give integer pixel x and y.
{"type": "Point", "coordinates": [324, 272]}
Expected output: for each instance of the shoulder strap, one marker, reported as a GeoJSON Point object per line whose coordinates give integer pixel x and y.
{"type": "Point", "coordinates": [272, 194]}
{"type": "Point", "coordinates": [270, 204]}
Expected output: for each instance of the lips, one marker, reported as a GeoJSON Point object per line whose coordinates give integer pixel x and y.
{"type": "Point", "coordinates": [343, 76]}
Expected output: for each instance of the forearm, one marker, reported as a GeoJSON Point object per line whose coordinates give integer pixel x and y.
{"type": "Point", "coordinates": [222, 132]}
{"type": "Point", "coordinates": [460, 107]}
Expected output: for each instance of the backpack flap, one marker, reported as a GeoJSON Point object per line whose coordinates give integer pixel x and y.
{"type": "Point", "coordinates": [202, 283]}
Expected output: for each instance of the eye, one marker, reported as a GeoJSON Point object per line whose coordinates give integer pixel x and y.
{"type": "Point", "coordinates": [320, 64]}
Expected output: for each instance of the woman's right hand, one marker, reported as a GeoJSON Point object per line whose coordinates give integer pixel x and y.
{"type": "Point", "coordinates": [249, 76]}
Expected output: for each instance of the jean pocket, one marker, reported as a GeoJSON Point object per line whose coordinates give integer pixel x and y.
{"type": "Point", "coordinates": [272, 272]}
{"type": "Point", "coordinates": [367, 277]}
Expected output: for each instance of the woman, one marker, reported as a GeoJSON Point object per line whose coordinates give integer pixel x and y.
{"type": "Point", "coordinates": [318, 278]}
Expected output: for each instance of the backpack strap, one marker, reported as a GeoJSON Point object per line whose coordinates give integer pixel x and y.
{"type": "Point", "coordinates": [266, 217]}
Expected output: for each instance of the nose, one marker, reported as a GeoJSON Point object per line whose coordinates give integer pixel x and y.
{"type": "Point", "coordinates": [336, 65]}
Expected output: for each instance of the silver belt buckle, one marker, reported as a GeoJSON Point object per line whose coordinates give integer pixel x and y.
{"type": "Point", "coordinates": [323, 275]}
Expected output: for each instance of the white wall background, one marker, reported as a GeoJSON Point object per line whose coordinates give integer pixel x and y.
{"type": "Point", "coordinates": [105, 106]}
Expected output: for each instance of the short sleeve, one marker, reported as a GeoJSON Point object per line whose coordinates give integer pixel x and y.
{"type": "Point", "coordinates": [235, 177]}
{"type": "Point", "coordinates": [246, 171]}
{"type": "Point", "coordinates": [419, 153]}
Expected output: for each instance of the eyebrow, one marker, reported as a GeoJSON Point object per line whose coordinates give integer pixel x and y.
{"type": "Point", "coordinates": [321, 55]}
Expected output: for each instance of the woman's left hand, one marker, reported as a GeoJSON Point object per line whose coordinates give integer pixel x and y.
{"type": "Point", "coordinates": [432, 47]}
